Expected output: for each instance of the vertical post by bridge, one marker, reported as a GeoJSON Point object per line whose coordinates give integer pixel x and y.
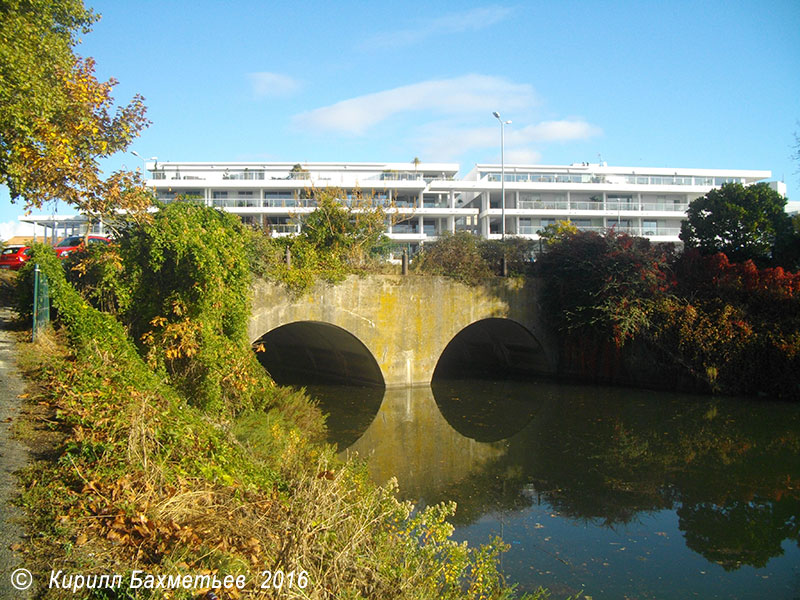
{"type": "Point", "coordinates": [504, 266]}
{"type": "Point", "coordinates": [404, 262]}
{"type": "Point", "coordinates": [41, 302]}
{"type": "Point", "coordinates": [288, 258]}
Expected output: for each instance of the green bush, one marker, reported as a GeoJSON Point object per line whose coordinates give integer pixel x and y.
{"type": "Point", "coordinates": [467, 258]}
{"type": "Point", "coordinates": [601, 286]}
{"type": "Point", "coordinates": [96, 272]}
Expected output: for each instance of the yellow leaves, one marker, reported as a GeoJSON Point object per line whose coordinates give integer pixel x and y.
{"type": "Point", "coordinates": [179, 339]}
{"type": "Point", "coordinates": [56, 155]}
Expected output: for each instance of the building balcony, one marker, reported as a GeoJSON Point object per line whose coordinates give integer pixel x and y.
{"type": "Point", "coordinates": [612, 206]}
{"type": "Point", "coordinates": [648, 232]}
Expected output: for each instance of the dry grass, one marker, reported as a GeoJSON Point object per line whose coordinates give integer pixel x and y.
{"type": "Point", "coordinates": [7, 289]}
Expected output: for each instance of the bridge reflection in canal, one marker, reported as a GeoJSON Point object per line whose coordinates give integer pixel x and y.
{"type": "Point", "coordinates": [623, 492]}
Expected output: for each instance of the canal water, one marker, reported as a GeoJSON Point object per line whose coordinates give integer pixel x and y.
{"type": "Point", "coordinates": [600, 492]}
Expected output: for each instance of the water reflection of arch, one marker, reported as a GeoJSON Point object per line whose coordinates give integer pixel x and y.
{"type": "Point", "coordinates": [336, 367]}
{"type": "Point", "coordinates": [497, 349]}
{"type": "Point", "coordinates": [410, 440]}
{"type": "Point", "coordinates": [316, 352]}
{"type": "Point", "coordinates": [349, 410]}
{"type": "Point", "coordinates": [486, 410]}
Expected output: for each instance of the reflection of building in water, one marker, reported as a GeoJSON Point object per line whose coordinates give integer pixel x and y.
{"type": "Point", "coordinates": [410, 439]}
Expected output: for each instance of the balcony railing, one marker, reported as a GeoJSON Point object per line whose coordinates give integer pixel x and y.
{"type": "Point", "coordinates": [283, 228]}
{"type": "Point", "coordinates": [544, 205]}
{"type": "Point", "coordinates": [612, 206]}
{"type": "Point", "coordinates": [399, 176]}
{"type": "Point", "coordinates": [664, 206]}
{"type": "Point", "coordinates": [610, 178]}
{"type": "Point", "coordinates": [430, 203]}
{"type": "Point", "coordinates": [629, 229]}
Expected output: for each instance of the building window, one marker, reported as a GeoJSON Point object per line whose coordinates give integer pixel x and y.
{"type": "Point", "coordinates": [582, 224]}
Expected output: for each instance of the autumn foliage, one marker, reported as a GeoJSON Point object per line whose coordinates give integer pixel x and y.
{"type": "Point", "coordinates": [602, 285]}
{"type": "Point", "coordinates": [57, 120]}
{"type": "Point", "coordinates": [708, 323]}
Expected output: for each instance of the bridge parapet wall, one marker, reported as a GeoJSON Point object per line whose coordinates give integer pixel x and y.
{"type": "Point", "coordinates": [404, 321]}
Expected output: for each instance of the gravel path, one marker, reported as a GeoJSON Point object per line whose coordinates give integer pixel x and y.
{"type": "Point", "coordinates": [13, 456]}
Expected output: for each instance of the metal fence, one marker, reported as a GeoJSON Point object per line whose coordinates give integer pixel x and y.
{"type": "Point", "coordinates": [41, 302]}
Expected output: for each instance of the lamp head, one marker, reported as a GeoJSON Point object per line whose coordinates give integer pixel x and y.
{"type": "Point", "coordinates": [496, 115]}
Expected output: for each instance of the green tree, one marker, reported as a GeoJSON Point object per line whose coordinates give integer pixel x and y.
{"type": "Point", "coordinates": [353, 232]}
{"type": "Point", "coordinates": [601, 286]}
{"type": "Point", "coordinates": [456, 255]}
{"type": "Point", "coordinates": [745, 223]}
{"type": "Point", "coordinates": [56, 119]}
{"type": "Point", "coordinates": [556, 232]}
{"type": "Point", "coordinates": [298, 172]}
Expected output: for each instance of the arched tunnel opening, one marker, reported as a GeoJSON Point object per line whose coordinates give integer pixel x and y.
{"type": "Point", "coordinates": [492, 349]}
{"type": "Point", "coordinates": [311, 352]}
{"type": "Point", "coordinates": [482, 382]}
{"type": "Point", "coordinates": [336, 369]}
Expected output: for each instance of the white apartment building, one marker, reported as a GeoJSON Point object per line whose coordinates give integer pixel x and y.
{"type": "Point", "coordinates": [423, 200]}
{"type": "Point", "coordinates": [427, 199]}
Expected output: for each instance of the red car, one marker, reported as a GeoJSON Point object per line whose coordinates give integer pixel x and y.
{"type": "Point", "coordinates": [13, 257]}
{"type": "Point", "coordinates": [72, 243]}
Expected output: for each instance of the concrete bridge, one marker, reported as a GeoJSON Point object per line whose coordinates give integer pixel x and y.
{"type": "Point", "coordinates": [397, 330]}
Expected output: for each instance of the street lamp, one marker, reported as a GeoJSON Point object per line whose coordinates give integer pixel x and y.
{"type": "Point", "coordinates": [140, 157]}
{"type": "Point", "coordinates": [502, 174]}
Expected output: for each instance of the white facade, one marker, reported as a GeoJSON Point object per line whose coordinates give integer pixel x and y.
{"type": "Point", "coordinates": [426, 199]}
{"type": "Point", "coordinates": [423, 200]}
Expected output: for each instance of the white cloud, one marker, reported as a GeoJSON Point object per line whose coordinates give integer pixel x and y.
{"type": "Point", "coordinates": [267, 84]}
{"type": "Point", "coordinates": [470, 20]}
{"type": "Point", "coordinates": [448, 140]}
{"type": "Point", "coordinates": [522, 156]}
{"type": "Point", "coordinates": [456, 96]}
{"type": "Point", "coordinates": [552, 131]}
{"type": "Point", "coordinates": [9, 229]}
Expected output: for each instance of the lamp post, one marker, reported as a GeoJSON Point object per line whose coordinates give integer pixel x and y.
{"type": "Point", "coordinates": [144, 162]}
{"type": "Point", "coordinates": [502, 175]}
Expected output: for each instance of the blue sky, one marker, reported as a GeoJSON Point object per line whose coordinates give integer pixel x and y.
{"type": "Point", "coordinates": [678, 84]}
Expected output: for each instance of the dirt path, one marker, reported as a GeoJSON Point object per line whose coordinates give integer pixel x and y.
{"type": "Point", "coordinates": [13, 456]}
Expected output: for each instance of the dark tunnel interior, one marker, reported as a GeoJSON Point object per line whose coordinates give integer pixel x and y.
{"type": "Point", "coordinates": [491, 348]}
{"type": "Point", "coordinates": [311, 352]}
